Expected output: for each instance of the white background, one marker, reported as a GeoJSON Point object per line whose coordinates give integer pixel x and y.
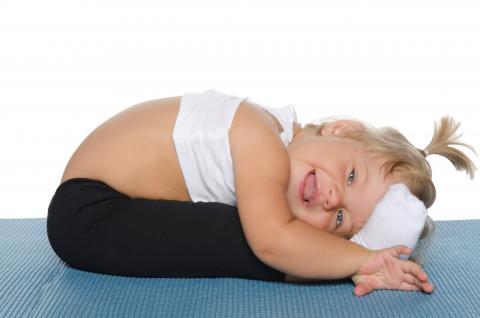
{"type": "Point", "coordinates": [65, 67]}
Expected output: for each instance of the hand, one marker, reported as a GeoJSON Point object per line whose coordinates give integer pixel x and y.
{"type": "Point", "coordinates": [383, 269]}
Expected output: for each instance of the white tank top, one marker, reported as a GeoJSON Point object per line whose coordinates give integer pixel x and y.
{"type": "Point", "coordinates": [202, 143]}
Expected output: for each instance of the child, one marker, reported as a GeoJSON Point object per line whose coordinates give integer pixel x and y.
{"type": "Point", "coordinates": [214, 185]}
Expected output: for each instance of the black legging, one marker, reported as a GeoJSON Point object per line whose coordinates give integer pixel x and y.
{"type": "Point", "coordinates": [93, 227]}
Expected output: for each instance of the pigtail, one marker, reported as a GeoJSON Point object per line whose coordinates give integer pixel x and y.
{"type": "Point", "coordinates": [444, 135]}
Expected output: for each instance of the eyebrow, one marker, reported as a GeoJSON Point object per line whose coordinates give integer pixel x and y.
{"type": "Point", "coordinates": [364, 183]}
{"type": "Point", "coordinates": [365, 177]}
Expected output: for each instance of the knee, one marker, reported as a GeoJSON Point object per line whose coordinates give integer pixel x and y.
{"type": "Point", "coordinates": [61, 235]}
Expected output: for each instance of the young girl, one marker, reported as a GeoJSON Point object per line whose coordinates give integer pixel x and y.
{"type": "Point", "coordinates": [214, 185]}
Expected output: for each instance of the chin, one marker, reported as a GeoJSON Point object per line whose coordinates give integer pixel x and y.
{"type": "Point", "coordinates": [294, 206]}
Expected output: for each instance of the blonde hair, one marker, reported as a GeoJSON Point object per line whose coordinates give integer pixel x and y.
{"type": "Point", "coordinates": [407, 163]}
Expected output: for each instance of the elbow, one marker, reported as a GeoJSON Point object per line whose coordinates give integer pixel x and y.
{"type": "Point", "coordinates": [266, 253]}
{"type": "Point", "coordinates": [269, 250]}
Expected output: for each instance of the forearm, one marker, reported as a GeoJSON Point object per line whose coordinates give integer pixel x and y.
{"type": "Point", "coordinates": [304, 251]}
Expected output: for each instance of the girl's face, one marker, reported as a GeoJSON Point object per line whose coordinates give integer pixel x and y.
{"type": "Point", "coordinates": [346, 178]}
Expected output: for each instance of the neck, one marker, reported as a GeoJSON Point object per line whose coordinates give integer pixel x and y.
{"type": "Point", "coordinates": [298, 132]}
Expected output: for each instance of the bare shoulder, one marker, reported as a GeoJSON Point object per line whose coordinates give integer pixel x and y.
{"type": "Point", "coordinates": [261, 171]}
{"type": "Point", "coordinates": [255, 139]}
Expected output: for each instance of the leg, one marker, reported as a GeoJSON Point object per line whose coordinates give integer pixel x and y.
{"type": "Point", "coordinates": [93, 227]}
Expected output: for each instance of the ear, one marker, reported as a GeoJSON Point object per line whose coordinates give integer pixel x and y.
{"type": "Point", "coordinates": [340, 127]}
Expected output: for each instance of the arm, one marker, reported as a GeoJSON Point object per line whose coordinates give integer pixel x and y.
{"type": "Point", "coordinates": [261, 167]}
{"type": "Point", "coordinates": [307, 252]}
{"type": "Point", "coordinates": [383, 270]}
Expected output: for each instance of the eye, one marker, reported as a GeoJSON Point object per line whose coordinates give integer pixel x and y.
{"type": "Point", "coordinates": [351, 176]}
{"type": "Point", "coordinates": [339, 218]}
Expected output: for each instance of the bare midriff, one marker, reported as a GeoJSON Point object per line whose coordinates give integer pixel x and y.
{"type": "Point", "coordinates": [134, 153]}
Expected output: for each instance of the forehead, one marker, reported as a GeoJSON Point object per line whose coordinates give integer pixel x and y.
{"type": "Point", "coordinates": [344, 149]}
{"type": "Point", "coordinates": [359, 152]}
{"type": "Point", "coordinates": [342, 143]}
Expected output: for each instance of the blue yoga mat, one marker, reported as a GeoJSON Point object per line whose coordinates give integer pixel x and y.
{"type": "Point", "coordinates": [34, 282]}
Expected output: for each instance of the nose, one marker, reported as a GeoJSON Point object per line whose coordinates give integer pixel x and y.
{"type": "Point", "coordinates": [331, 197]}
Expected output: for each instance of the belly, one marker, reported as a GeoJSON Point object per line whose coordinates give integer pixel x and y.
{"type": "Point", "coordinates": [134, 153]}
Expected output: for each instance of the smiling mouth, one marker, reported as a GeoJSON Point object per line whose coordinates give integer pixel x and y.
{"type": "Point", "coordinates": [308, 188]}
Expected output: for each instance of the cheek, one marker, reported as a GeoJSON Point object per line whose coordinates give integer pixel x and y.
{"type": "Point", "coordinates": [319, 220]}
{"type": "Point", "coordinates": [359, 225]}
{"type": "Point", "coordinates": [361, 215]}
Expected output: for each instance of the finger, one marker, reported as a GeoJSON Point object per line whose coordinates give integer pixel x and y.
{"type": "Point", "coordinates": [425, 286]}
{"type": "Point", "coordinates": [428, 287]}
{"type": "Point", "coordinates": [402, 249]}
{"type": "Point", "coordinates": [364, 287]}
{"type": "Point", "coordinates": [359, 290]}
{"type": "Point", "coordinates": [414, 269]}
{"type": "Point", "coordinates": [412, 280]}
{"type": "Point", "coordinates": [407, 286]}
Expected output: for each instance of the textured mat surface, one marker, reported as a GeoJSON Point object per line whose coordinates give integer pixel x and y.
{"type": "Point", "coordinates": [34, 282]}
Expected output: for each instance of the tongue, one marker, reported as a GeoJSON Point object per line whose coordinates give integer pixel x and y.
{"type": "Point", "coordinates": [309, 187]}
